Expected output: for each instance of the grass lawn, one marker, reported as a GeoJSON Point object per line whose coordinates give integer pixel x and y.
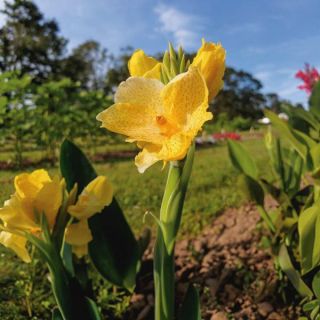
{"type": "Point", "coordinates": [212, 188]}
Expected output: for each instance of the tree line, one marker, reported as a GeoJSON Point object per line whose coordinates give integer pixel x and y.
{"type": "Point", "coordinates": [59, 92]}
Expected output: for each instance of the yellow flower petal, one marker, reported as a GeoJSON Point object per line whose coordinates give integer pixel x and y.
{"type": "Point", "coordinates": [147, 157]}
{"type": "Point", "coordinates": [210, 60]}
{"type": "Point", "coordinates": [78, 234]}
{"type": "Point", "coordinates": [15, 243]}
{"type": "Point", "coordinates": [154, 73]}
{"type": "Point", "coordinates": [17, 216]}
{"type": "Point", "coordinates": [185, 100]}
{"type": "Point", "coordinates": [80, 251]}
{"type": "Point", "coordinates": [27, 185]}
{"type": "Point", "coordinates": [143, 66]}
{"type": "Point", "coordinates": [141, 91]}
{"type": "Point", "coordinates": [49, 200]}
{"type": "Point", "coordinates": [138, 103]}
{"type": "Point", "coordinates": [94, 197]}
{"type": "Point", "coordinates": [174, 148]}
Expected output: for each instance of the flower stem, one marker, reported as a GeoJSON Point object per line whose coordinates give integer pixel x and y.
{"type": "Point", "coordinates": [72, 302]}
{"type": "Point", "coordinates": [170, 217]}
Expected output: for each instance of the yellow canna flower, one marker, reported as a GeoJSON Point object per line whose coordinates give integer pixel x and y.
{"type": "Point", "coordinates": [141, 65]}
{"type": "Point", "coordinates": [210, 60]}
{"type": "Point", "coordinates": [36, 194]}
{"type": "Point", "coordinates": [79, 235]}
{"type": "Point", "coordinates": [15, 243]}
{"type": "Point", "coordinates": [94, 197]}
{"type": "Point", "coordinates": [162, 119]}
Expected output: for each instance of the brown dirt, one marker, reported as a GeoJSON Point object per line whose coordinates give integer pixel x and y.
{"type": "Point", "coordinates": [235, 276]}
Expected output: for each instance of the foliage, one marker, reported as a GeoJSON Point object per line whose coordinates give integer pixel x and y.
{"type": "Point", "coordinates": [240, 96]}
{"type": "Point", "coordinates": [222, 123]}
{"type": "Point", "coordinates": [210, 192]}
{"type": "Point", "coordinates": [294, 226]}
{"type": "Point", "coordinates": [15, 108]}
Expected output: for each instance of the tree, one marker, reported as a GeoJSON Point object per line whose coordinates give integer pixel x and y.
{"type": "Point", "coordinates": [240, 96]}
{"type": "Point", "coordinates": [30, 43]}
{"type": "Point", "coordinates": [273, 102]}
{"type": "Point", "coordinates": [86, 64]}
{"type": "Point", "coordinates": [56, 114]}
{"type": "Point", "coordinates": [16, 107]}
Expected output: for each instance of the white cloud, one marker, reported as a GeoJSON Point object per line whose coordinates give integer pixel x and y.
{"type": "Point", "coordinates": [182, 26]}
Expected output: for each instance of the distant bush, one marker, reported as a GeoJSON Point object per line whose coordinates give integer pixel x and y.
{"type": "Point", "coordinates": [222, 123]}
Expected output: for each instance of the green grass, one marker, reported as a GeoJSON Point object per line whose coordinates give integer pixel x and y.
{"type": "Point", "coordinates": [213, 187]}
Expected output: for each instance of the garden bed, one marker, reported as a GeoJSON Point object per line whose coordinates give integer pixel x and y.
{"type": "Point", "coordinates": [235, 276]}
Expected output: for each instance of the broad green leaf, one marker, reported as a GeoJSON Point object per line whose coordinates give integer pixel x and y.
{"type": "Point", "coordinates": [315, 156]}
{"type": "Point", "coordinates": [241, 159]}
{"type": "Point", "coordinates": [304, 139]}
{"type": "Point", "coordinates": [316, 284]}
{"type": "Point", "coordinates": [285, 131]}
{"type": "Point", "coordinates": [315, 100]}
{"type": "Point", "coordinates": [114, 250]}
{"type": "Point", "coordinates": [93, 308]}
{"type": "Point", "coordinates": [252, 189]}
{"type": "Point", "coordinates": [306, 116]}
{"type": "Point", "coordinates": [190, 309]}
{"type": "Point", "coordinates": [314, 313]}
{"type": "Point", "coordinates": [56, 315]}
{"type": "Point", "coordinates": [310, 305]}
{"type": "Point", "coordinates": [309, 235]}
{"type": "Point", "coordinates": [75, 167]}
{"type": "Point", "coordinates": [293, 275]}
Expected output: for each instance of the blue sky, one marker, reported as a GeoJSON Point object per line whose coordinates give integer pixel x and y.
{"type": "Point", "coordinates": [270, 38]}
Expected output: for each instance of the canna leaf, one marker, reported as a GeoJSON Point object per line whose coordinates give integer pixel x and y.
{"type": "Point", "coordinates": [56, 315]}
{"type": "Point", "coordinates": [309, 233]}
{"type": "Point", "coordinates": [293, 275]}
{"type": "Point", "coordinates": [315, 100]}
{"type": "Point", "coordinates": [316, 284]}
{"type": "Point", "coordinates": [190, 309]}
{"type": "Point", "coordinates": [114, 251]}
{"type": "Point", "coordinates": [285, 131]}
{"type": "Point", "coordinates": [241, 159]}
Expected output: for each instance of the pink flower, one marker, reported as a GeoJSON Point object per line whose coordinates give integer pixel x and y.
{"type": "Point", "coordinates": [309, 77]}
{"type": "Point", "coordinates": [227, 135]}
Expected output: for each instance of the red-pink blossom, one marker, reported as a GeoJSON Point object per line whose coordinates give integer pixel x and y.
{"type": "Point", "coordinates": [309, 76]}
{"type": "Point", "coordinates": [226, 135]}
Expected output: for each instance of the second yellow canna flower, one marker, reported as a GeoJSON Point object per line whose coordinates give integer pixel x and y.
{"type": "Point", "coordinates": [141, 65]}
{"type": "Point", "coordinates": [94, 197]}
{"type": "Point", "coordinates": [35, 194]}
{"type": "Point", "coordinates": [210, 59]}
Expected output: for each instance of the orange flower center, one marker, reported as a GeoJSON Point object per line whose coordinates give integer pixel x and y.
{"type": "Point", "coordinates": [166, 128]}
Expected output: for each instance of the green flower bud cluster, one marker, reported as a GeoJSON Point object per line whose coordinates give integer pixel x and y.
{"type": "Point", "coordinates": [173, 63]}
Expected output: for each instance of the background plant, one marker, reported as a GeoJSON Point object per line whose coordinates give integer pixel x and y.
{"type": "Point", "coordinates": [293, 225]}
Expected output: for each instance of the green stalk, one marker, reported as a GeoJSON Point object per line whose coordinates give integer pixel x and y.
{"type": "Point", "coordinates": [72, 302]}
{"type": "Point", "coordinates": [70, 297]}
{"type": "Point", "coordinates": [170, 217]}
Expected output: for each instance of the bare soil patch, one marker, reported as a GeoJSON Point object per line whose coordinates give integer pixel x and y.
{"type": "Point", "coordinates": [235, 276]}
